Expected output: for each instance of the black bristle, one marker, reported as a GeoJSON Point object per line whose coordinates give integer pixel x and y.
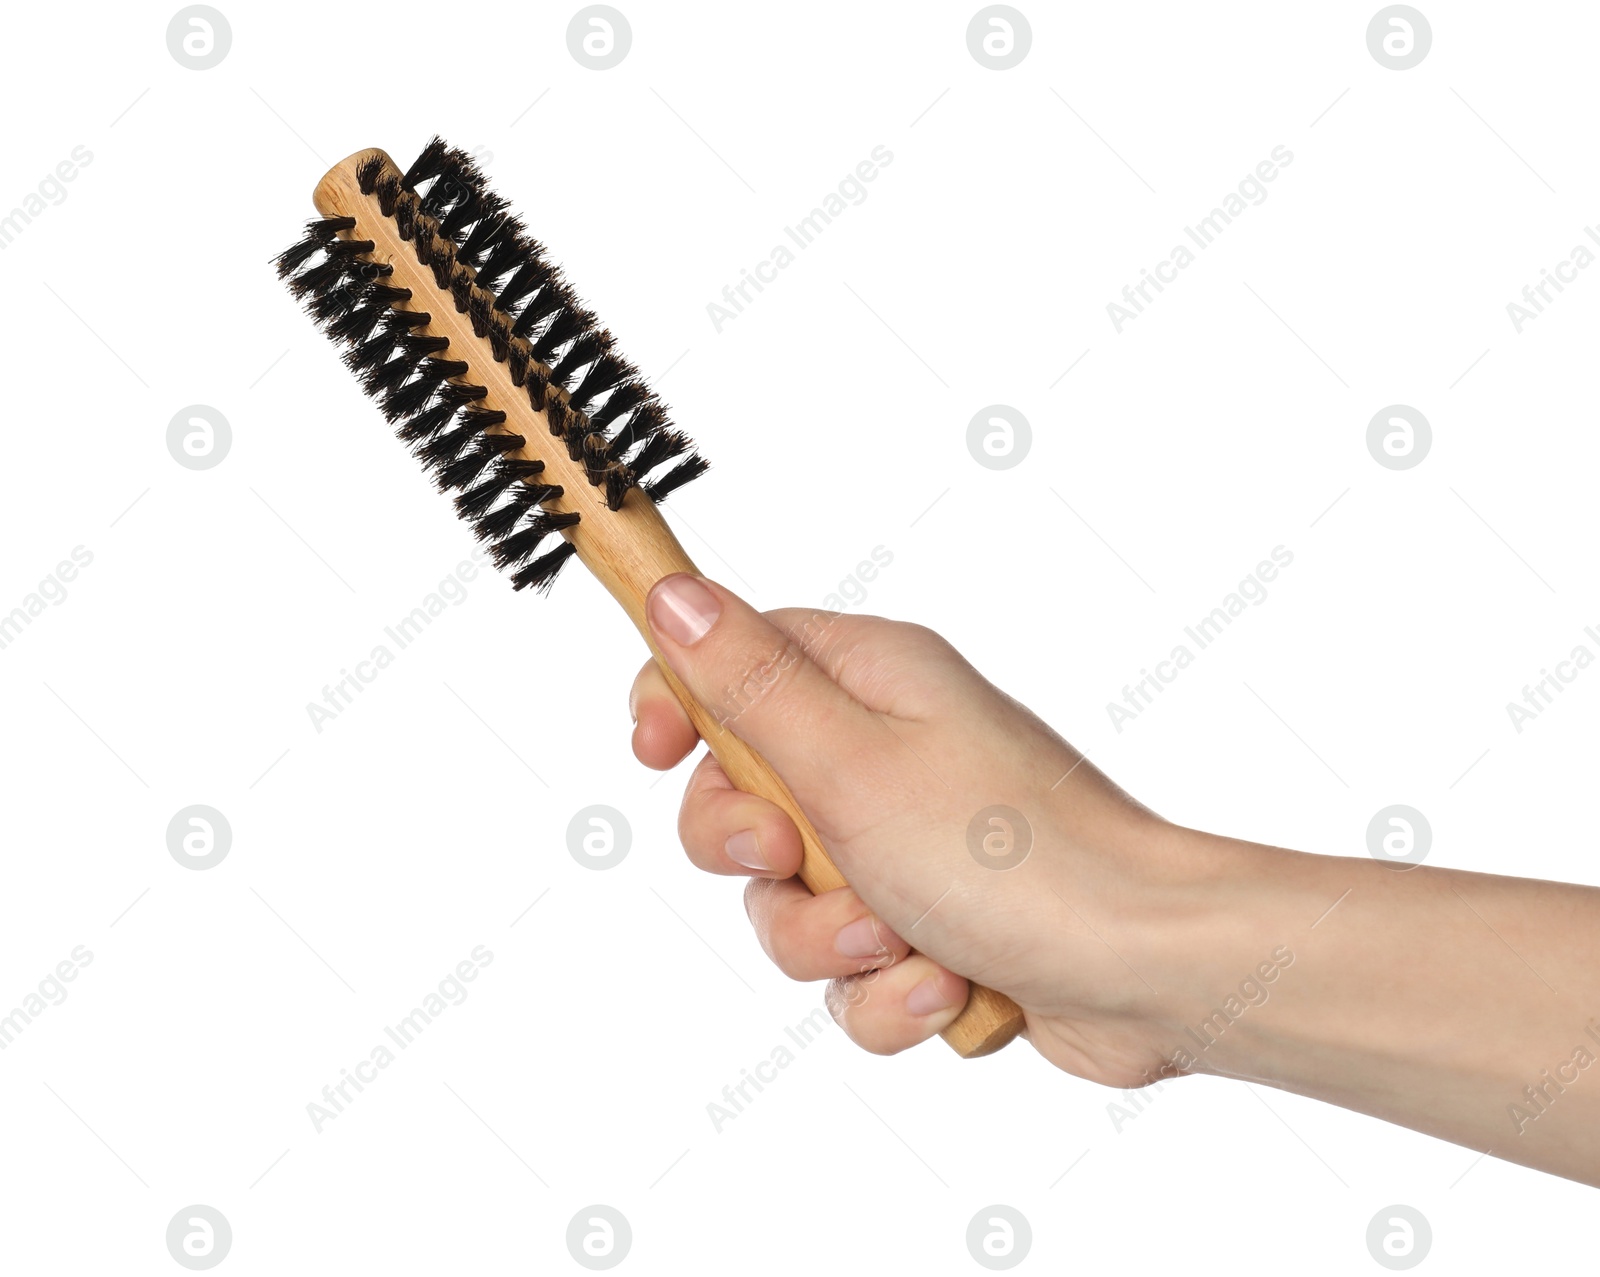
{"type": "Point", "coordinates": [658, 449]}
{"type": "Point", "coordinates": [491, 526]}
{"type": "Point", "coordinates": [410, 398]}
{"type": "Point", "coordinates": [461, 291]}
{"type": "Point", "coordinates": [326, 275]}
{"type": "Point", "coordinates": [467, 210]}
{"type": "Point", "coordinates": [371, 353]}
{"type": "Point", "coordinates": [682, 473]}
{"type": "Point", "coordinates": [483, 206]}
{"type": "Point", "coordinates": [367, 173]}
{"type": "Point", "coordinates": [504, 247]}
{"type": "Point", "coordinates": [584, 351]}
{"type": "Point", "coordinates": [469, 466]}
{"type": "Point", "coordinates": [465, 394]}
{"type": "Point", "coordinates": [524, 470]}
{"type": "Point", "coordinates": [532, 494]}
{"type": "Point", "coordinates": [488, 233]}
{"type": "Point", "coordinates": [423, 242]}
{"type": "Point", "coordinates": [577, 436]}
{"type": "Point", "coordinates": [384, 293]}
{"type": "Point", "coordinates": [650, 418]}
{"type": "Point", "coordinates": [465, 469]}
{"type": "Point", "coordinates": [451, 397]}
{"type": "Point", "coordinates": [459, 185]}
{"type": "Point", "coordinates": [443, 264]}
{"type": "Point", "coordinates": [603, 374]}
{"type": "Point", "coordinates": [596, 457]}
{"type": "Point", "coordinates": [532, 272]}
{"type": "Point", "coordinates": [426, 165]}
{"type": "Point", "coordinates": [541, 573]}
{"type": "Point", "coordinates": [444, 448]}
{"type": "Point", "coordinates": [388, 193]}
{"type": "Point", "coordinates": [480, 310]}
{"type": "Point", "coordinates": [563, 328]}
{"type": "Point", "coordinates": [350, 247]}
{"type": "Point", "coordinates": [328, 306]}
{"type": "Point", "coordinates": [499, 335]}
{"type": "Point", "coordinates": [483, 418]}
{"type": "Point", "coordinates": [429, 422]}
{"type": "Point", "coordinates": [516, 361]}
{"type": "Point", "coordinates": [630, 394]}
{"type": "Point", "coordinates": [537, 389]}
{"type": "Point", "coordinates": [619, 480]}
{"type": "Point", "coordinates": [496, 523]}
{"type": "Point", "coordinates": [420, 346]}
{"type": "Point", "coordinates": [385, 379]}
{"type": "Point", "coordinates": [405, 214]}
{"type": "Point", "coordinates": [403, 320]}
{"type": "Point", "coordinates": [442, 196]}
{"type": "Point", "coordinates": [318, 234]}
{"type": "Point", "coordinates": [475, 501]}
{"type": "Point", "coordinates": [551, 298]}
{"type": "Point", "coordinates": [523, 542]}
{"type": "Point", "coordinates": [555, 412]}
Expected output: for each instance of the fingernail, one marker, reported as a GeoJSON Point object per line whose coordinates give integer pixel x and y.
{"type": "Point", "coordinates": [926, 998]}
{"type": "Point", "coordinates": [864, 938]}
{"type": "Point", "coordinates": [745, 848]}
{"type": "Point", "coordinates": [683, 609]}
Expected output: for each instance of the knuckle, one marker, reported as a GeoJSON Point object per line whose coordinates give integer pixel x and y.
{"type": "Point", "coordinates": [930, 641]}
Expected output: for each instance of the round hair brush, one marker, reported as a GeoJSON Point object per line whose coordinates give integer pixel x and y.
{"type": "Point", "coordinates": [512, 395]}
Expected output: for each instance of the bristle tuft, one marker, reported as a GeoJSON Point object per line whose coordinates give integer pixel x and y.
{"type": "Point", "coordinates": [541, 573]}
{"type": "Point", "coordinates": [682, 473]}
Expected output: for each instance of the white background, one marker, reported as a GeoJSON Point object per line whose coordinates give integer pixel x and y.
{"type": "Point", "coordinates": [369, 859]}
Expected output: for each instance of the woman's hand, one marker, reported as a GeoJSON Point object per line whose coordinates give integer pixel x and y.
{"type": "Point", "coordinates": [1463, 1005]}
{"type": "Point", "coordinates": [897, 748]}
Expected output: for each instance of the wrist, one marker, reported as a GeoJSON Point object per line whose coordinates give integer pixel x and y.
{"type": "Point", "coordinates": [1228, 924]}
{"type": "Point", "coordinates": [1211, 928]}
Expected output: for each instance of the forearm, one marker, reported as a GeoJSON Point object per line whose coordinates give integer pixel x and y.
{"type": "Point", "coordinates": [1463, 1005]}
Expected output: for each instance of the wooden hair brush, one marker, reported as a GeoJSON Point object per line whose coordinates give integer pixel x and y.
{"type": "Point", "coordinates": [512, 394]}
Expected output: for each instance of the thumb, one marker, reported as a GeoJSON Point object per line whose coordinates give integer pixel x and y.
{"type": "Point", "coordinates": [757, 682]}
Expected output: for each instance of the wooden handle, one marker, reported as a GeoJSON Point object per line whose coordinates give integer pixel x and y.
{"type": "Point", "coordinates": [628, 549]}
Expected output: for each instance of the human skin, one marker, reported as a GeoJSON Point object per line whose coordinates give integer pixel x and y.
{"type": "Point", "coordinates": [1463, 1005]}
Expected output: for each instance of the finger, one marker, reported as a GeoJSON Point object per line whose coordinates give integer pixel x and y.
{"type": "Point", "coordinates": [819, 937]}
{"type": "Point", "coordinates": [726, 831]}
{"type": "Point", "coordinates": [897, 1007]}
{"type": "Point", "coordinates": [662, 732]}
{"type": "Point", "coordinates": [757, 681]}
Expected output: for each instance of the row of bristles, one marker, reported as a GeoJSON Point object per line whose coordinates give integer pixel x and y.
{"type": "Point", "coordinates": [463, 234]}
